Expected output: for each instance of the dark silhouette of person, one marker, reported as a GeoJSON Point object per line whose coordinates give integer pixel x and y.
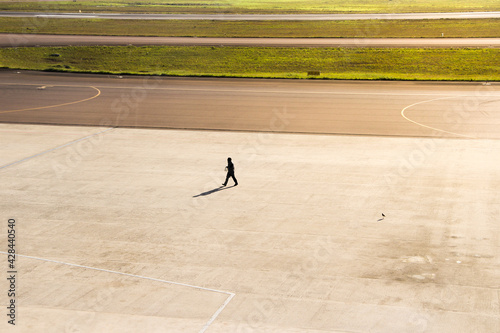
{"type": "Point", "coordinates": [230, 172]}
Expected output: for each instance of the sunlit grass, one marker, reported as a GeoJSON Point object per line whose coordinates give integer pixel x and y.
{"type": "Point", "coordinates": [332, 63]}
{"type": "Point", "coordinates": [209, 28]}
{"type": "Point", "coordinates": [255, 6]}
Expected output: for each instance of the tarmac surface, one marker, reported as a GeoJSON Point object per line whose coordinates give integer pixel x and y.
{"type": "Point", "coordinates": [25, 40]}
{"type": "Point", "coordinates": [428, 109]}
{"type": "Point", "coordinates": [127, 229]}
{"type": "Point", "coordinates": [261, 17]}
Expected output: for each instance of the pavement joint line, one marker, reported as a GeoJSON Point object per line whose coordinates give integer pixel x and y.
{"type": "Point", "coordinates": [53, 149]}
{"type": "Point", "coordinates": [430, 127]}
{"type": "Point", "coordinates": [498, 292]}
{"type": "Point", "coordinates": [204, 328]}
{"type": "Point", "coordinates": [3, 130]}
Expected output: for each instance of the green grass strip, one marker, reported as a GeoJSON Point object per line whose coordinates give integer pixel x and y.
{"type": "Point", "coordinates": [253, 6]}
{"type": "Point", "coordinates": [332, 63]}
{"type": "Point", "coordinates": [207, 28]}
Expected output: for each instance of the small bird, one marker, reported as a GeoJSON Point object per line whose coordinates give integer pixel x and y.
{"type": "Point", "coordinates": [383, 214]}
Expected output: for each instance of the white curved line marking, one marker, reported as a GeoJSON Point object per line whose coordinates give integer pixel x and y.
{"type": "Point", "coordinates": [430, 127]}
{"type": "Point", "coordinates": [56, 105]}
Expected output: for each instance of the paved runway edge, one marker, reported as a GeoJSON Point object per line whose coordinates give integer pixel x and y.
{"type": "Point", "coordinates": [26, 40]}
{"type": "Point", "coordinates": [261, 17]}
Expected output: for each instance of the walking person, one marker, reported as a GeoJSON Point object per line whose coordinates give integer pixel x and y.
{"type": "Point", "coordinates": [230, 172]}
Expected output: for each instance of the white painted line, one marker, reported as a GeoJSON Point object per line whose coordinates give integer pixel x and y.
{"type": "Point", "coordinates": [56, 105]}
{"type": "Point", "coordinates": [207, 324]}
{"type": "Point", "coordinates": [430, 127]}
{"type": "Point", "coordinates": [53, 149]}
{"type": "Point", "coordinates": [66, 16]}
{"type": "Point", "coordinates": [216, 314]}
{"type": "Point", "coordinates": [258, 90]}
{"type": "Point", "coordinates": [287, 91]}
{"type": "Point", "coordinates": [121, 273]}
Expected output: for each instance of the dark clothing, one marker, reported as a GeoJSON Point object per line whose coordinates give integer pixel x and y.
{"type": "Point", "coordinates": [230, 167]}
{"type": "Point", "coordinates": [230, 173]}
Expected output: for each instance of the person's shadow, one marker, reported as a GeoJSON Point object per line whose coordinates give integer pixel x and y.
{"type": "Point", "coordinates": [217, 189]}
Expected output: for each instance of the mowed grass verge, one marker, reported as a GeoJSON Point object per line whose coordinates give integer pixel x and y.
{"type": "Point", "coordinates": [211, 28]}
{"type": "Point", "coordinates": [263, 62]}
{"type": "Point", "coordinates": [253, 6]}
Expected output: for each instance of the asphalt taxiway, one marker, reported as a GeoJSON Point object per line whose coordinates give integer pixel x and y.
{"type": "Point", "coordinates": [260, 17]}
{"type": "Point", "coordinates": [430, 109]}
{"type": "Point", "coordinates": [31, 40]}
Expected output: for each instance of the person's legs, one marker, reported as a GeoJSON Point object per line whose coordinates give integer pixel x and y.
{"type": "Point", "coordinates": [230, 175]}
{"type": "Point", "coordinates": [227, 178]}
